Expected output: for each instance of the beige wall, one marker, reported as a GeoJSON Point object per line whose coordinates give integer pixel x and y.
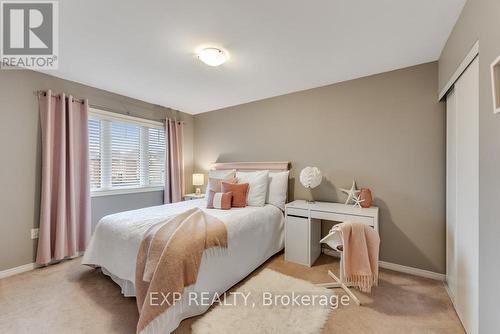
{"type": "Point", "coordinates": [387, 131]}
{"type": "Point", "coordinates": [480, 20]}
{"type": "Point", "coordinates": [21, 156]}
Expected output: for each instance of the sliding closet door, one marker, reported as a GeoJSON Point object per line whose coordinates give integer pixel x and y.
{"type": "Point", "coordinates": [451, 192]}
{"type": "Point", "coordinates": [463, 196]}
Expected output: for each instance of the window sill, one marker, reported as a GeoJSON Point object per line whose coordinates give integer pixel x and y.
{"type": "Point", "coordinates": [124, 191]}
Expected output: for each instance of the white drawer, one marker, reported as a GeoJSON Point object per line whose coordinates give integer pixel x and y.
{"type": "Point", "coordinates": [342, 218]}
{"type": "Point", "coordinates": [297, 212]}
{"type": "Point", "coordinates": [331, 216]}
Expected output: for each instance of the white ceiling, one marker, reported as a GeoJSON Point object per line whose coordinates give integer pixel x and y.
{"type": "Point", "coordinates": [146, 49]}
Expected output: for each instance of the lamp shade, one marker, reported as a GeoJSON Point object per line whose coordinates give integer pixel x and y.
{"type": "Point", "coordinates": [310, 177]}
{"type": "Point", "coordinates": [198, 179]}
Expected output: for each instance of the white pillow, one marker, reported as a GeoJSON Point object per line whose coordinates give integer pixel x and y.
{"type": "Point", "coordinates": [222, 174]}
{"type": "Point", "coordinates": [257, 186]}
{"type": "Point", "coordinates": [219, 174]}
{"type": "Point", "coordinates": [278, 189]}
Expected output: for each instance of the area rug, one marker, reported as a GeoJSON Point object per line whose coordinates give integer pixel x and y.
{"type": "Point", "coordinates": [269, 302]}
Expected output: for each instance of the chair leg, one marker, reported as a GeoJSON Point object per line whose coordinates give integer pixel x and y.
{"type": "Point", "coordinates": [332, 275]}
{"type": "Point", "coordinates": [336, 284]}
{"type": "Point", "coordinates": [349, 292]}
{"type": "Point", "coordinates": [339, 283]}
{"type": "Point", "coordinates": [330, 285]}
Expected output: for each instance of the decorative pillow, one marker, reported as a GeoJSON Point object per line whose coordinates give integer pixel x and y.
{"type": "Point", "coordinates": [219, 200]}
{"type": "Point", "coordinates": [258, 186]}
{"type": "Point", "coordinates": [240, 193]}
{"type": "Point", "coordinates": [215, 184]}
{"type": "Point", "coordinates": [278, 189]}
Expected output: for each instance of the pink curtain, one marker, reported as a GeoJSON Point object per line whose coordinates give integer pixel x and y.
{"type": "Point", "coordinates": [65, 199]}
{"type": "Point", "coordinates": [174, 176]}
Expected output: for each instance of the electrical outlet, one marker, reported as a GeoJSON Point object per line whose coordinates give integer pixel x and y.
{"type": "Point", "coordinates": [34, 233]}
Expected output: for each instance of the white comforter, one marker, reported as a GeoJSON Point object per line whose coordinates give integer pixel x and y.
{"type": "Point", "coordinates": [254, 235]}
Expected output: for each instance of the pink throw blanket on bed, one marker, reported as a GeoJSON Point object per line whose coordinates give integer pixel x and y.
{"type": "Point", "coordinates": [360, 247]}
{"type": "Point", "coordinates": [169, 258]}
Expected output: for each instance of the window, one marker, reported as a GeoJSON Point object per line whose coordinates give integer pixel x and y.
{"type": "Point", "coordinates": [126, 153]}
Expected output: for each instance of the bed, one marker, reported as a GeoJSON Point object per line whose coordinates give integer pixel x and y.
{"type": "Point", "coordinates": [254, 233]}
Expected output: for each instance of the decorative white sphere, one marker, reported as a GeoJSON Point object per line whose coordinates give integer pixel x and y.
{"type": "Point", "coordinates": [310, 177]}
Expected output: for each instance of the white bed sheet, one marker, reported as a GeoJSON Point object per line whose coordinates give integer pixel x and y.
{"type": "Point", "coordinates": [254, 235]}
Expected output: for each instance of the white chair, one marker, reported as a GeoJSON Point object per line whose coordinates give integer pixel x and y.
{"type": "Point", "coordinates": [334, 240]}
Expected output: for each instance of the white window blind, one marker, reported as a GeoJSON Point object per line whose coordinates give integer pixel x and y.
{"type": "Point", "coordinates": [125, 155]}
{"type": "Point", "coordinates": [125, 152]}
{"type": "Point", "coordinates": [156, 156]}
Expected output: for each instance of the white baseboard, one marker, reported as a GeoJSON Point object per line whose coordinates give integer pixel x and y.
{"type": "Point", "coordinates": [401, 268]}
{"type": "Point", "coordinates": [413, 271]}
{"type": "Point", "coordinates": [31, 266]}
{"type": "Point", "coordinates": [17, 270]}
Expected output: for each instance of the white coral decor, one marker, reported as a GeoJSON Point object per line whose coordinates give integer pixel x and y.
{"type": "Point", "coordinates": [310, 177]}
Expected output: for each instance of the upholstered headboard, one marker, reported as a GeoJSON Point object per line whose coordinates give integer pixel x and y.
{"type": "Point", "coordinates": [252, 166]}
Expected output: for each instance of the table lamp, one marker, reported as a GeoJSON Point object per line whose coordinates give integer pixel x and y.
{"type": "Point", "coordinates": [310, 177]}
{"type": "Point", "coordinates": [198, 180]}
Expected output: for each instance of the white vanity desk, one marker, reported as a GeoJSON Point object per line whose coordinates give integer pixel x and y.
{"type": "Point", "coordinates": [303, 226]}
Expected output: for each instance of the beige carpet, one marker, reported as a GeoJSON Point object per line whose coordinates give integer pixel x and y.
{"type": "Point", "coordinates": [71, 298]}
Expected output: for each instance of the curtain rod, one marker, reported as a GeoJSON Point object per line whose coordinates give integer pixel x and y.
{"type": "Point", "coordinates": [44, 92]}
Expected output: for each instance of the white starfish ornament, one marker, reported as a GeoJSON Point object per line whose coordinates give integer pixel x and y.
{"type": "Point", "coordinates": [357, 201]}
{"type": "Point", "coordinates": [351, 193]}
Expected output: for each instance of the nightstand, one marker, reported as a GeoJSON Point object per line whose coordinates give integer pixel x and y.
{"type": "Point", "coordinates": [189, 197]}
{"type": "Point", "coordinates": [303, 226]}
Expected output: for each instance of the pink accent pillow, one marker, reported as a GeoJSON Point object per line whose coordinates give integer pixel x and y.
{"type": "Point", "coordinates": [216, 184]}
{"type": "Point", "coordinates": [219, 200]}
{"type": "Point", "coordinates": [240, 193]}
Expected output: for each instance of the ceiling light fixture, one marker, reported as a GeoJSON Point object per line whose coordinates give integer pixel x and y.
{"type": "Point", "coordinates": [212, 56]}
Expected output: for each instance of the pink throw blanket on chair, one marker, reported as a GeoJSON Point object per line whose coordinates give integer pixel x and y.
{"type": "Point", "coordinates": [360, 247]}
